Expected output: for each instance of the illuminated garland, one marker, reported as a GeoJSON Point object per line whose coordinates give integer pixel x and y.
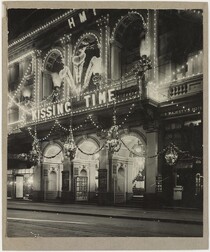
{"type": "Point", "coordinates": [44, 138]}
{"type": "Point", "coordinates": [90, 154]}
{"type": "Point", "coordinates": [131, 150]}
{"type": "Point", "coordinates": [41, 28]}
{"type": "Point", "coordinates": [53, 155]}
{"type": "Point", "coordinates": [21, 83]}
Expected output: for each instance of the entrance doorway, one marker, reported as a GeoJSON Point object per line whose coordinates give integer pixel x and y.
{"type": "Point", "coordinates": [130, 164]}
{"type": "Point", "coordinates": [86, 171]}
{"type": "Point", "coordinates": [81, 188]}
{"type": "Point", "coordinates": [52, 172]}
{"type": "Point", "coordinates": [19, 187]}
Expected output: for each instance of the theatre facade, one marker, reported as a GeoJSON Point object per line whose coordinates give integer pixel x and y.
{"type": "Point", "coordinates": [105, 106]}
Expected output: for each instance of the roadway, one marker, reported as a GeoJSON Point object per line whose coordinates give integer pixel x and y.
{"type": "Point", "coordinates": [22, 223]}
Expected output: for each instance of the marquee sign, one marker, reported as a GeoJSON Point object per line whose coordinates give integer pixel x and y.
{"type": "Point", "coordinates": [88, 101]}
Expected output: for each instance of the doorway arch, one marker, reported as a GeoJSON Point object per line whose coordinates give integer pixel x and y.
{"type": "Point", "coordinates": [52, 171]}
{"type": "Point", "coordinates": [86, 169]}
{"type": "Point", "coordinates": [132, 158]}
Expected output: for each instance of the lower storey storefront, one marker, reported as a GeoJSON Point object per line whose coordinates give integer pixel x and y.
{"type": "Point", "coordinates": [130, 176]}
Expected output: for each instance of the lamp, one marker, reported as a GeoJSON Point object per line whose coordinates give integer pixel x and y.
{"type": "Point", "coordinates": [171, 155]}
{"type": "Point", "coordinates": [34, 155]}
{"type": "Point", "coordinates": [70, 146]}
{"type": "Point", "coordinates": [113, 144]}
{"type": "Point", "coordinates": [26, 95]}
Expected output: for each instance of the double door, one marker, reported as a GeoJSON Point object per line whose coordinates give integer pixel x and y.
{"type": "Point", "coordinates": [81, 188]}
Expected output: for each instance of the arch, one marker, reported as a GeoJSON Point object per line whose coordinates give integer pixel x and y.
{"type": "Point", "coordinates": [52, 54]}
{"type": "Point", "coordinates": [83, 172]}
{"type": "Point", "coordinates": [51, 150]}
{"type": "Point", "coordinates": [136, 133]}
{"type": "Point", "coordinates": [81, 38]}
{"type": "Point", "coordinates": [126, 20]}
{"type": "Point", "coordinates": [52, 65]}
{"type": "Point", "coordinates": [127, 44]}
{"type": "Point", "coordinates": [133, 155]}
{"type": "Point", "coordinates": [87, 145]}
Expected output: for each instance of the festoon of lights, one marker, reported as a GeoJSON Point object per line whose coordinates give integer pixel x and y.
{"type": "Point", "coordinates": [69, 146]}
{"type": "Point", "coordinates": [35, 154]}
{"type": "Point", "coordinates": [113, 143]}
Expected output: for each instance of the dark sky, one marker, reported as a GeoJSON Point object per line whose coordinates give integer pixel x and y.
{"type": "Point", "coordinates": [22, 20]}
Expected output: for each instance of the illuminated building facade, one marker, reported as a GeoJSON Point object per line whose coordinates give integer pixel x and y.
{"type": "Point", "coordinates": [105, 106]}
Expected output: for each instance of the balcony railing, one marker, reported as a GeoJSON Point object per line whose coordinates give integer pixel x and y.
{"type": "Point", "coordinates": [188, 87]}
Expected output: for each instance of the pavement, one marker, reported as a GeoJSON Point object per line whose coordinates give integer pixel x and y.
{"type": "Point", "coordinates": [187, 216]}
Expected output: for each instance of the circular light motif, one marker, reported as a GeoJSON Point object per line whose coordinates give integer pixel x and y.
{"type": "Point", "coordinates": [171, 156]}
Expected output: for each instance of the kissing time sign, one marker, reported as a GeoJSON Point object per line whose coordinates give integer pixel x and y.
{"type": "Point", "coordinates": [59, 109]}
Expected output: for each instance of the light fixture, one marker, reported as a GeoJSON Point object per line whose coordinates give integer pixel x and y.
{"type": "Point", "coordinates": [34, 154]}
{"type": "Point", "coordinates": [26, 93]}
{"type": "Point", "coordinates": [171, 155]}
{"type": "Point", "coordinates": [70, 147]}
{"type": "Point", "coordinates": [113, 143]}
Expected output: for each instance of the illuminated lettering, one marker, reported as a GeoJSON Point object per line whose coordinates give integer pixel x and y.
{"type": "Point", "coordinates": [102, 97]}
{"type": "Point", "coordinates": [59, 109]}
{"type": "Point", "coordinates": [87, 100]}
{"type": "Point", "coordinates": [54, 110]}
{"type": "Point", "coordinates": [67, 107]}
{"type": "Point", "coordinates": [71, 23]}
{"type": "Point", "coordinates": [34, 115]}
{"type": "Point", "coordinates": [110, 95]}
{"type": "Point", "coordinates": [38, 117]}
{"type": "Point", "coordinates": [49, 111]}
{"type": "Point", "coordinates": [93, 99]}
{"type": "Point", "coordinates": [94, 12]}
{"type": "Point", "coordinates": [43, 113]}
{"type": "Point", "coordinates": [82, 17]}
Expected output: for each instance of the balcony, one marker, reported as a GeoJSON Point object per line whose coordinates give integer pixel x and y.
{"type": "Point", "coordinates": [186, 87]}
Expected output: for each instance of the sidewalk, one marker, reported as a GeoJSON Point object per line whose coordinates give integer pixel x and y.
{"type": "Point", "coordinates": [162, 215]}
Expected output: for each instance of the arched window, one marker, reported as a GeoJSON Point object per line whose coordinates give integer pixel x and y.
{"type": "Point", "coordinates": [87, 146]}
{"type": "Point", "coordinates": [53, 150]}
{"type": "Point", "coordinates": [128, 44]}
{"type": "Point", "coordinates": [133, 151]}
{"type": "Point", "coordinates": [51, 80]}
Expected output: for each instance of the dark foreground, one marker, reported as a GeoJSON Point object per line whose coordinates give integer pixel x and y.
{"type": "Point", "coordinates": [22, 223]}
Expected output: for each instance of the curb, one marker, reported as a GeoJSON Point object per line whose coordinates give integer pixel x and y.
{"type": "Point", "coordinates": [114, 216]}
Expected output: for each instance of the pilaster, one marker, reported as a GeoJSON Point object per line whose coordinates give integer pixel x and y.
{"type": "Point", "coordinates": [103, 24]}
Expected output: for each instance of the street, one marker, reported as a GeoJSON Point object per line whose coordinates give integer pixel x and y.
{"type": "Point", "coordinates": [22, 223]}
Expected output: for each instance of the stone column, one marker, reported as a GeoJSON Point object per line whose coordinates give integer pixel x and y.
{"type": "Point", "coordinates": [151, 167]}
{"type": "Point", "coordinates": [38, 185]}
{"type": "Point", "coordinates": [116, 48]}
{"type": "Point", "coordinates": [104, 177]}
{"type": "Point", "coordinates": [67, 194]}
